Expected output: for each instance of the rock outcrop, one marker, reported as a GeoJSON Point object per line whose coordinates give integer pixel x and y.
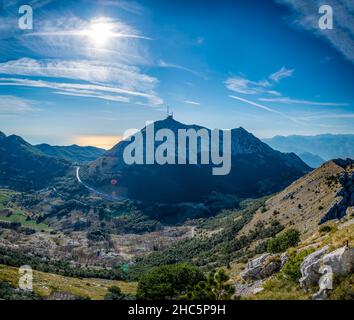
{"type": "Point", "coordinates": [247, 289]}
{"type": "Point", "coordinates": [261, 267]}
{"type": "Point", "coordinates": [341, 261]}
{"type": "Point", "coordinates": [339, 210]}
{"type": "Point", "coordinates": [310, 267]}
{"type": "Point", "coordinates": [320, 268]}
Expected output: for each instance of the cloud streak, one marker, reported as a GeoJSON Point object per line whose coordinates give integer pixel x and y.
{"type": "Point", "coordinates": [281, 74]}
{"type": "Point", "coordinates": [192, 102]}
{"type": "Point", "coordinates": [81, 89]}
{"type": "Point", "coordinates": [128, 77]}
{"type": "Point", "coordinates": [303, 102]}
{"type": "Point", "coordinates": [240, 84]}
{"type": "Point", "coordinates": [263, 107]}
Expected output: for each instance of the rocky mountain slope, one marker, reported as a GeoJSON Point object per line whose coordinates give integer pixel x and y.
{"type": "Point", "coordinates": [315, 198]}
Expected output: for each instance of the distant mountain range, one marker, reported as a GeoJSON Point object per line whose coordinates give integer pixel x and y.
{"type": "Point", "coordinates": [256, 170]}
{"type": "Point", "coordinates": [24, 166]}
{"type": "Point", "coordinates": [73, 153]}
{"type": "Point", "coordinates": [313, 160]}
{"type": "Point", "coordinates": [315, 150]}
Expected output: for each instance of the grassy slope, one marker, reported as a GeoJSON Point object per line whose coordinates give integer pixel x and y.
{"type": "Point", "coordinates": [45, 283]}
{"type": "Point", "coordinates": [17, 214]}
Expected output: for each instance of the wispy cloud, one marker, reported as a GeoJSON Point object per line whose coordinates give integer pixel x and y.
{"type": "Point", "coordinates": [341, 37]}
{"type": "Point", "coordinates": [86, 28]}
{"type": "Point", "coordinates": [125, 76]}
{"type": "Point", "coordinates": [15, 105]}
{"type": "Point", "coordinates": [325, 115]}
{"type": "Point", "coordinates": [129, 6]}
{"type": "Point", "coordinates": [191, 102]}
{"type": "Point", "coordinates": [164, 64]}
{"type": "Point", "coordinates": [112, 72]}
{"type": "Point", "coordinates": [282, 73]}
{"type": "Point", "coordinates": [76, 89]}
{"type": "Point", "coordinates": [241, 84]}
{"type": "Point", "coordinates": [304, 102]}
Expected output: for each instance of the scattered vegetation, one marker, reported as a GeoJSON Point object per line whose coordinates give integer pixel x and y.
{"type": "Point", "coordinates": [216, 250]}
{"type": "Point", "coordinates": [343, 288]}
{"type": "Point", "coordinates": [214, 287]}
{"type": "Point", "coordinates": [41, 263]}
{"type": "Point", "coordinates": [291, 268]}
{"type": "Point", "coordinates": [44, 284]}
{"type": "Point", "coordinates": [115, 293]}
{"type": "Point", "coordinates": [325, 229]}
{"type": "Point", "coordinates": [9, 292]}
{"type": "Point", "coordinates": [169, 282]}
{"type": "Point", "coordinates": [289, 238]}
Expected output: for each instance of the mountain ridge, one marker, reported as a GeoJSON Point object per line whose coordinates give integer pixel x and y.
{"type": "Point", "coordinates": [257, 169]}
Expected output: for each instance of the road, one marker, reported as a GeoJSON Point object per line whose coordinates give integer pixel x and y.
{"type": "Point", "coordinates": [101, 194]}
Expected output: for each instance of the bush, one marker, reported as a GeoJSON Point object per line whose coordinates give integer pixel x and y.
{"type": "Point", "coordinates": [325, 229]}
{"type": "Point", "coordinates": [289, 238]}
{"type": "Point", "coordinates": [169, 282]}
{"type": "Point", "coordinates": [343, 288]}
{"type": "Point", "coordinates": [291, 268]}
{"type": "Point", "coordinates": [215, 287]}
{"type": "Point", "coordinates": [114, 293]}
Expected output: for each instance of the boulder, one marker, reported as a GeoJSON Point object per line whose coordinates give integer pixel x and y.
{"type": "Point", "coordinates": [271, 266]}
{"type": "Point", "coordinates": [261, 267]}
{"type": "Point", "coordinates": [283, 258]}
{"type": "Point", "coordinates": [310, 266]}
{"type": "Point", "coordinates": [320, 268]}
{"type": "Point", "coordinates": [341, 261]}
{"type": "Point", "coordinates": [245, 289]}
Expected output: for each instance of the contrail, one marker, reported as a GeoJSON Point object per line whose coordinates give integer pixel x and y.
{"type": "Point", "coordinates": [260, 106]}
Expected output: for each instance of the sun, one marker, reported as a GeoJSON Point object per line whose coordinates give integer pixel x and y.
{"type": "Point", "coordinates": [100, 33]}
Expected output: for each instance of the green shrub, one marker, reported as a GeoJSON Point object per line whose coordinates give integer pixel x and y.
{"type": "Point", "coordinates": [343, 288]}
{"type": "Point", "coordinates": [115, 293]}
{"type": "Point", "coordinates": [289, 238]}
{"type": "Point", "coordinates": [168, 281]}
{"type": "Point", "coordinates": [325, 229]}
{"type": "Point", "coordinates": [215, 287]}
{"type": "Point", "coordinates": [291, 268]}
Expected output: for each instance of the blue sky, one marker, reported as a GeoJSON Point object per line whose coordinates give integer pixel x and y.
{"type": "Point", "coordinates": [89, 70]}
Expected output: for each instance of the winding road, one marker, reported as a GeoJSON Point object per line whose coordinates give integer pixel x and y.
{"type": "Point", "coordinates": [101, 194]}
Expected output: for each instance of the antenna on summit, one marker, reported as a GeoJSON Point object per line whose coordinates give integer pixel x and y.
{"type": "Point", "coordinates": [168, 113]}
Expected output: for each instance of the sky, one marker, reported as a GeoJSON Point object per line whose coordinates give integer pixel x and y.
{"type": "Point", "coordinates": [90, 70]}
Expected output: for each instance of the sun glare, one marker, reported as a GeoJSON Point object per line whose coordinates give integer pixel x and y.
{"type": "Point", "coordinates": [100, 32]}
